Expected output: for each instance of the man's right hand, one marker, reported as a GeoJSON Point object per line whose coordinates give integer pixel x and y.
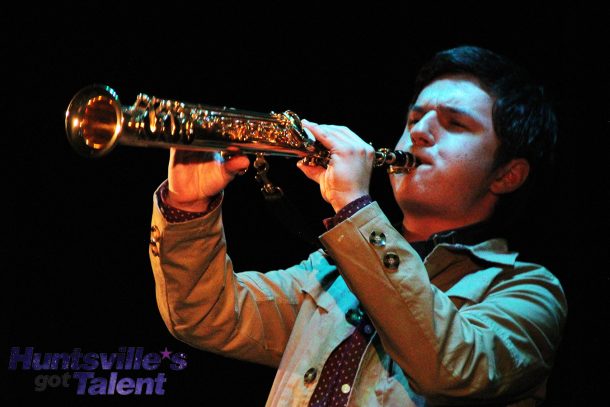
{"type": "Point", "coordinates": [194, 178]}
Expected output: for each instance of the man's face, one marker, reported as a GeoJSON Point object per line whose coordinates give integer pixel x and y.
{"type": "Point", "coordinates": [450, 130]}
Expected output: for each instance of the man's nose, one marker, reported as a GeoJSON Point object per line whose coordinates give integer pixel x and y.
{"type": "Point", "coordinates": [422, 132]}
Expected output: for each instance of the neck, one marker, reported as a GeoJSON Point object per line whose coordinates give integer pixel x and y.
{"type": "Point", "coordinates": [418, 228]}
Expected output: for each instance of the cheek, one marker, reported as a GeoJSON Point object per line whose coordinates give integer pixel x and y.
{"type": "Point", "coordinates": [465, 157]}
{"type": "Point", "coordinates": [467, 152]}
{"type": "Point", "coordinates": [467, 167]}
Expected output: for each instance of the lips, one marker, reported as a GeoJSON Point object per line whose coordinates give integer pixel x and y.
{"type": "Point", "coordinates": [422, 158]}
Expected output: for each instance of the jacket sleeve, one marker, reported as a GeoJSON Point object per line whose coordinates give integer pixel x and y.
{"type": "Point", "coordinates": [203, 302]}
{"type": "Point", "coordinates": [501, 347]}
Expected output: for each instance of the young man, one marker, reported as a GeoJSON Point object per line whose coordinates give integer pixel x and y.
{"type": "Point", "coordinates": [438, 311]}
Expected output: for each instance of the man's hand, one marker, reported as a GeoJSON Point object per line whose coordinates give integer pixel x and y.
{"type": "Point", "coordinates": [194, 178]}
{"type": "Point", "coordinates": [348, 174]}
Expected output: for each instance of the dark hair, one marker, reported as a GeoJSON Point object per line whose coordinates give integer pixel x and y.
{"type": "Point", "coordinates": [523, 118]}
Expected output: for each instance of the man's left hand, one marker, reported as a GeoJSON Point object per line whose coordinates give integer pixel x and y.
{"type": "Point", "coordinates": [348, 174]}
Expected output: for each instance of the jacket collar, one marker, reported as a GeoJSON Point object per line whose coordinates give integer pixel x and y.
{"type": "Point", "coordinates": [490, 252]}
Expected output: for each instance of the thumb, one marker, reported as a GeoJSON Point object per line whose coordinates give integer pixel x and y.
{"type": "Point", "coordinates": [312, 172]}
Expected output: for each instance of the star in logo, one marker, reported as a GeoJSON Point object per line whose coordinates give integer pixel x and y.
{"type": "Point", "coordinates": [165, 353]}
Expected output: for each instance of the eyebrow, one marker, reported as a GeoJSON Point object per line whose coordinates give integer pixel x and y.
{"type": "Point", "coordinates": [450, 109]}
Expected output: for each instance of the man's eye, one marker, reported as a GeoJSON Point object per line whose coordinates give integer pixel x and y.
{"type": "Point", "coordinates": [457, 124]}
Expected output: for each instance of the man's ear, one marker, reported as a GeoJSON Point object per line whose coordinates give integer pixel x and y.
{"type": "Point", "coordinates": [510, 176]}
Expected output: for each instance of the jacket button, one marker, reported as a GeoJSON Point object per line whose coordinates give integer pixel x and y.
{"type": "Point", "coordinates": [377, 239]}
{"type": "Point", "coordinates": [354, 316]}
{"type": "Point", "coordinates": [391, 260]}
{"type": "Point", "coordinates": [310, 375]}
{"type": "Point", "coordinates": [155, 237]}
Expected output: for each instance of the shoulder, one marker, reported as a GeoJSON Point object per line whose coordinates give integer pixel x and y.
{"type": "Point", "coordinates": [499, 274]}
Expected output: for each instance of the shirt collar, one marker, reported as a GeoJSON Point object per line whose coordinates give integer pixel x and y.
{"type": "Point", "coordinates": [467, 235]}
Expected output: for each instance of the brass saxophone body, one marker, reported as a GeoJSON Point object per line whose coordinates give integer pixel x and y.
{"type": "Point", "coordinates": [96, 122]}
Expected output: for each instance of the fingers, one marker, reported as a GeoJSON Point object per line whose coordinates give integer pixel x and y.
{"type": "Point", "coordinates": [312, 172]}
{"type": "Point", "coordinates": [237, 165]}
{"type": "Point", "coordinates": [233, 165]}
{"type": "Point", "coordinates": [179, 156]}
{"type": "Point", "coordinates": [320, 133]}
{"type": "Point", "coordinates": [335, 138]}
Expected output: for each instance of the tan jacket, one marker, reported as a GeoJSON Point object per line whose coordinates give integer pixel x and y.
{"type": "Point", "coordinates": [467, 325]}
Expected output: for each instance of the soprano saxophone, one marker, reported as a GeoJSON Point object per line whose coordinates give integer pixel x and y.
{"type": "Point", "coordinates": [96, 122]}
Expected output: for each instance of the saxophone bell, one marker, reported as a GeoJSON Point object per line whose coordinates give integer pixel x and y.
{"type": "Point", "coordinates": [94, 121]}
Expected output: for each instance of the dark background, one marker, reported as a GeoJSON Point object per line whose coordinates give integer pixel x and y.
{"type": "Point", "coordinates": [75, 231]}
